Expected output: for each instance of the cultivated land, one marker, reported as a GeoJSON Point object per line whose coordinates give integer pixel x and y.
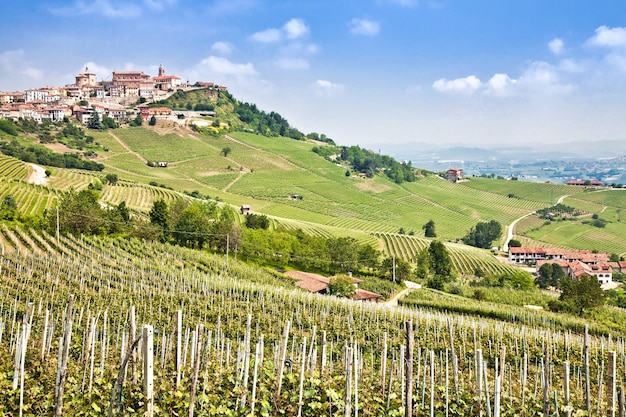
{"type": "Point", "coordinates": [342, 355]}
{"type": "Point", "coordinates": [239, 325]}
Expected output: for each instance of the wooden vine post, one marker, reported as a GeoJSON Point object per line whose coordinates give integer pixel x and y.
{"type": "Point", "coordinates": [281, 362]}
{"type": "Point", "coordinates": [179, 344]}
{"type": "Point", "coordinates": [408, 385]}
{"type": "Point", "coordinates": [612, 389]}
{"type": "Point", "coordinates": [587, 375]}
{"type": "Point", "coordinates": [196, 368]}
{"type": "Point", "coordinates": [148, 369]}
{"type": "Point", "coordinates": [64, 354]}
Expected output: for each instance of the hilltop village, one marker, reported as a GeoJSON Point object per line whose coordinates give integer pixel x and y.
{"type": "Point", "coordinates": [110, 98]}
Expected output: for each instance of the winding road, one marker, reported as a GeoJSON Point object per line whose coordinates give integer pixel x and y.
{"type": "Point", "coordinates": [410, 286]}
{"type": "Point", "coordinates": [511, 227]}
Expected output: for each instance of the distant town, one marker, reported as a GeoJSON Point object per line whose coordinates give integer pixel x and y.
{"type": "Point", "coordinates": [110, 98]}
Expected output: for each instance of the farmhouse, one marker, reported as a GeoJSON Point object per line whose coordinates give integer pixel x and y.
{"type": "Point", "coordinates": [593, 183]}
{"type": "Point", "coordinates": [319, 284]}
{"type": "Point", "coordinates": [455, 174]}
{"type": "Point", "coordinates": [532, 255]}
{"type": "Point", "coordinates": [575, 269]}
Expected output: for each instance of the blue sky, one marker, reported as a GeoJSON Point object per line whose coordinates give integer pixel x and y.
{"type": "Point", "coordinates": [368, 72]}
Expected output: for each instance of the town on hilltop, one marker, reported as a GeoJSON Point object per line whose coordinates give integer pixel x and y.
{"type": "Point", "coordinates": [109, 98]}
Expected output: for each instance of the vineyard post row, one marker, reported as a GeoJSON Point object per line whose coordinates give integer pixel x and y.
{"type": "Point", "coordinates": [352, 360]}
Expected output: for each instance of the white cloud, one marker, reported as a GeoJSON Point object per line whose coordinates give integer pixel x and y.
{"type": "Point", "coordinates": [364, 27]}
{"type": "Point", "coordinates": [271, 35]}
{"type": "Point", "coordinates": [15, 70]}
{"type": "Point", "coordinates": [608, 37]}
{"type": "Point", "coordinates": [571, 66]}
{"type": "Point", "coordinates": [325, 88]}
{"type": "Point", "coordinates": [106, 8]}
{"type": "Point", "coordinates": [500, 85]}
{"type": "Point", "coordinates": [222, 66]}
{"type": "Point", "coordinates": [292, 63]}
{"type": "Point", "coordinates": [539, 79]}
{"type": "Point", "coordinates": [223, 48]}
{"type": "Point", "coordinates": [295, 28]}
{"type": "Point", "coordinates": [467, 85]}
{"type": "Point", "coordinates": [556, 46]}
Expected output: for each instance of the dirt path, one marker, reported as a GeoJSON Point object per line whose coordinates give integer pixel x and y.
{"type": "Point", "coordinates": [37, 175]}
{"type": "Point", "coordinates": [410, 286]}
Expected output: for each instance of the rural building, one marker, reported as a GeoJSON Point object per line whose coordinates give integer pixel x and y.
{"type": "Point", "coordinates": [575, 269]}
{"type": "Point", "coordinates": [618, 266]}
{"type": "Point", "coordinates": [532, 255]}
{"type": "Point", "coordinates": [455, 174]}
{"type": "Point", "coordinates": [245, 209]}
{"type": "Point", "coordinates": [593, 183]}
{"type": "Point", "coordinates": [319, 284]}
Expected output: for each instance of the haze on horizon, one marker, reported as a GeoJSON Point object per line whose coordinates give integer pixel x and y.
{"type": "Point", "coordinates": [371, 72]}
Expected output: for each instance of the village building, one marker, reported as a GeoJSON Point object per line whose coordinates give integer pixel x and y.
{"type": "Point", "coordinates": [164, 81]}
{"type": "Point", "coordinates": [7, 97]}
{"type": "Point", "coordinates": [575, 263]}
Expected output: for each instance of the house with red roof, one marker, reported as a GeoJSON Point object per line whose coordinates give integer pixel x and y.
{"type": "Point", "coordinates": [319, 284]}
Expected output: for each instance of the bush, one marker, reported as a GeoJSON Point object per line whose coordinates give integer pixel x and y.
{"type": "Point", "coordinates": [480, 294]}
{"type": "Point", "coordinates": [436, 282]}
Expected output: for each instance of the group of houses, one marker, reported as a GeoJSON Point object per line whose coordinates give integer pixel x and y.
{"type": "Point", "coordinates": [107, 97]}
{"type": "Point", "coordinates": [575, 263]}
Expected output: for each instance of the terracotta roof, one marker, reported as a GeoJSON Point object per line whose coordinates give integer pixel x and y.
{"type": "Point", "coordinates": [308, 281]}
{"type": "Point", "coordinates": [363, 295]}
{"type": "Point", "coordinates": [313, 282]}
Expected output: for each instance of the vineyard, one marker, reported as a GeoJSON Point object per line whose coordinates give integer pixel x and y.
{"type": "Point", "coordinates": [12, 168]}
{"type": "Point", "coordinates": [92, 326]}
{"type": "Point", "coordinates": [466, 260]}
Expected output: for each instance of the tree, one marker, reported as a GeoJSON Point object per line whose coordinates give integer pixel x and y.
{"type": "Point", "coordinates": [584, 293]}
{"type": "Point", "coordinates": [341, 286]}
{"type": "Point", "coordinates": [429, 229]}
{"type": "Point", "coordinates": [108, 122]}
{"type": "Point", "coordinates": [110, 179]}
{"type": "Point", "coordinates": [79, 212]}
{"type": "Point", "coordinates": [152, 121]}
{"type": "Point", "coordinates": [396, 268]}
{"type": "Point", "coordinates": [193, 227]}
{"type": "Point", "coordinates": [226, 150]}
{"type": "Point", "coordinates": [257, 221]}
{"type": "Point", "coordinates": [94, 121]}
{"type": "Point", "coordinates": [343, 252]}
{"type": "Point", "coordinates": [137, 121]}
{"type": "Point", "coordinates": [483, 234]}
{"type": "Point", "coordinates": [514, 243]}
{"type": "Point", "coordinates": [439, 262]}
{"type": "Point", "coordinates": [160, 218]}
{"type": "Point", "coordinates": [422, 264]}
{"type": "Point", "coordinates": [8, 208]}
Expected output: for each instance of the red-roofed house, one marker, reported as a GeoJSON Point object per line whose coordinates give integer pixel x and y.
{"type": "Point", "coordinates": [319, 284]}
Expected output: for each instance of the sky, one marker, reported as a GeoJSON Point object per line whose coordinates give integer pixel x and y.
{"type": "Point", "coordinates": [373, 73]}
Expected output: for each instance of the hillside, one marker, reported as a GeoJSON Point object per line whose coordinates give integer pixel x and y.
{"type": "Point", "coordinates": [179, 328]}
{"type": "Point", "coordinates": [223, 321]}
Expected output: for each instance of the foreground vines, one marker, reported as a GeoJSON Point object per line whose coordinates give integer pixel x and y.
{"type": "Point", "coordinates": [226, 339]}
